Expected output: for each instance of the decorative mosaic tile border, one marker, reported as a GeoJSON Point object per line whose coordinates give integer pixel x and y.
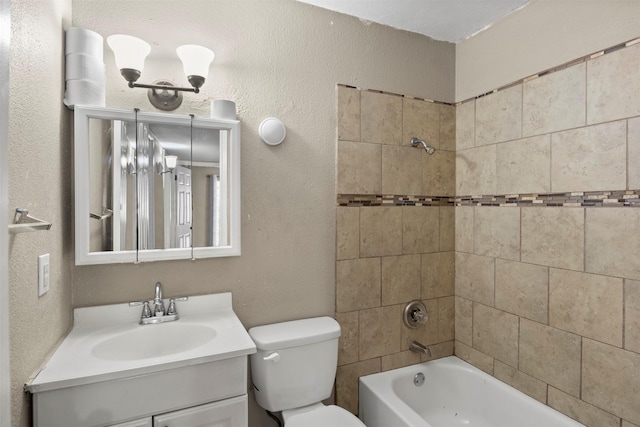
{"type": "Point", "coordinates": [622, 198]}
{"type": "Point", "coordinates": [393, 200]}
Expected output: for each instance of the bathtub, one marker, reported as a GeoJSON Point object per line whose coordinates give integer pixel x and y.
{"type": "Point", "coordinates": [454, 393]}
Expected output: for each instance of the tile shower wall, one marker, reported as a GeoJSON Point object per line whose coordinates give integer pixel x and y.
{"type": "Point", "coordinates": [395, 232]}
{"type": "Point", "coordinates": [547, 299]}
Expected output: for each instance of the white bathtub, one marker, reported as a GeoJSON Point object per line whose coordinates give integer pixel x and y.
{"type": "Point", "coordinates": [454, 393]}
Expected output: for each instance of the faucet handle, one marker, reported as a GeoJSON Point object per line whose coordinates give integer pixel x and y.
{"type": "Point", "coordinates": [172, 305]}
{"type": "Point", "coordinates": [146, 309]}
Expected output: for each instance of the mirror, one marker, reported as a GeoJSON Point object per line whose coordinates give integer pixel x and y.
{"type": "Point", "coordinates": [153, 186]}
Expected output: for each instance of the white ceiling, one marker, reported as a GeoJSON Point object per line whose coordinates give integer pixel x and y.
{"type": "Point", "coordinates": [447, 20]}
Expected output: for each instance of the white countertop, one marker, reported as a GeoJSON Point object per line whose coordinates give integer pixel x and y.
{"type": "Point", "coordinates": [73, 363]}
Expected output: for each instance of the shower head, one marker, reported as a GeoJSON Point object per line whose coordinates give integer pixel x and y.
{"type": "Point", "coordinates": [415, 142]}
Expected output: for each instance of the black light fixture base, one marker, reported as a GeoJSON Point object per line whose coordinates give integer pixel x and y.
{"type": "Point", "coordinates": [163, 95]}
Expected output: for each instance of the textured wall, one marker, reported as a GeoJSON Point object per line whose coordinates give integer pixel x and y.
{"type": "Point", "coordinates": [5, 383]}
{"type": "Point", "coordinates": [548, 290]}
{"type": "Point", "coordinates": [39, 180]}
{"type": "Point", "coordinates": [542, 35]}
{"type": "Point", "coordinates": [394, 239]}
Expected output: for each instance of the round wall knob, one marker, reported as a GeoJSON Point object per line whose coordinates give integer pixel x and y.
{"type": "Point", "coordinates": [272, 131]}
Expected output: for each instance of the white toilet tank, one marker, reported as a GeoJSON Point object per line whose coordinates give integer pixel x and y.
{"type": "Point", "coordinates": [296, 362]}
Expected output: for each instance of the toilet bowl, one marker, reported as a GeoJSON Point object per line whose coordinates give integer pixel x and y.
{"type": "Point", "coordinates": [294, 370]}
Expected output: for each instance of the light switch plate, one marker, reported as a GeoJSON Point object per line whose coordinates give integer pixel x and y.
{"type": "Point", "coordinates": [43, 274]}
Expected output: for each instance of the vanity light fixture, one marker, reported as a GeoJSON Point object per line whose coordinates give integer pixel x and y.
{"type": "Point", "coordinates": [130, 53]}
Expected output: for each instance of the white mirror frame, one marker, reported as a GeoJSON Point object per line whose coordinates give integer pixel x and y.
{"type": "Point", "coordinates": [82, 116]}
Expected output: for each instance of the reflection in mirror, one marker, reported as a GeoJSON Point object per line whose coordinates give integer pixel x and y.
{"type": "Point", "coordinates": [154, 186]}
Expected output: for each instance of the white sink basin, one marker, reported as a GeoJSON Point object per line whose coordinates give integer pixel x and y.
{"type": "Point", "coordinates": [107, 343]}
{"type": "Point", "coordinates": [153, 341]}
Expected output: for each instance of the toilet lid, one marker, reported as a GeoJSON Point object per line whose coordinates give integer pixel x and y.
{"type": "Point", "coordinates": [325, 416]}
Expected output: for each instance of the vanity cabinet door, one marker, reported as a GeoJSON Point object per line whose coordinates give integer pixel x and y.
{"type": "Point", "coordinates": [224, 413]}
{"type": "Point", "coordinates": [144, 422]}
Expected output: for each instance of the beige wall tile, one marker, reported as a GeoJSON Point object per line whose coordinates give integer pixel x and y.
{"type": "Point", "coordinates": [379, 331]}
{"type": "Point", "coordinates": [438, 275]}
{"type": "Point", "coordinates": [359, 168]}
{"type": "Point", "coordinates": [499, 116]}
{"type": "Point", "coordinates": [347, 382]}
{"type": "Point", "coordinates": [420, 229]}
{"type": "Point", "coordinates": [496, 232]}
{"type": "Point", "coordinates": [401, 170]}
{"type": "Point", "coordinates": [495, 333]}
{"type": "Point", "coordinates": [347, 233]}
{"type": "Point", "coordinates": [474, 357]}
{"type": "Point", "coordinates": [613, 84]}
{"type": "Point", "coordinates": [381, 118]}
{"type": "Point", "coordinates": [523, 289]}
{"type": "Point", "coordinates": [590, 159]}
{"type": "Point", "coordinates": [550, 355]}
{"type": "Point", "coordinates": [439, 350]}
{"type": "Point", "coordinates": [464, 228]}
{"type": "Point", "coordinates": [438, 173]}
{"type": "Point", "coordinates": [466, 125]}
{"type": "Point", "coordinates": [586, 304]}
{"type": "Point", "coordinates": [447, 228]}
{"type": "Point", "coordinates": [464, 320]}
{"type": "Point", "coordinates": [633, 159]}
{"type": "Point", "coordinates": [400, 279]}
{"type": "Point", "coordinates": [474, 278]}
{"type": "Point", "coordinates": [420, 119]}
{"type": "Point", "coordinates": [399, 360]}
{"type": "Point", "coordinates": [611, 379]}
{"type": "Point", "coordinates": [476, 171]}
{"type": "Point", "coordinates": [521, 381]}
{"type": "Point", "coordinates": [524, 166]}
{"type": "Point", "coordinates": [348, 349]}
{"type": "Point", "coordinates": [607, 229]}
{"type": "Point", "coordinates": [628, 424]}
{"type": "Point", "coordinates": [553, 236]}
{"type": "Point", "coordinates": [581, 411]}
{"type": "Point", "coordinates": [447, 127]}
{"type": "Point", "coordinates": [380, 231]}
{"type": "Point", "coordinates": [426, 334]}
{"type": "Point", "coordinates": [348, 114]}
{"type": "Point", "coordinates": [632, 315]}
{"type": "Point", "coordinates": [357, 284]}
{"type": "Point", "coordinates": [555, 102]}
{"type": "Point", "coordinates": [446, 319]}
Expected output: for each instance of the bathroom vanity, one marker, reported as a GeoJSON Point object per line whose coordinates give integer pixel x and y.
{"type": "Point", "coordinates": [112, 371]}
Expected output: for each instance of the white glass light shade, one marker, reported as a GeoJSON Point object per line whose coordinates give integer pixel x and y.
{"type": "Point", "coordinates": [195, 59]}
{"type": "Point", "coordinates": [171, 161]}
{"type": "Point", "coordinates": [130, 52]}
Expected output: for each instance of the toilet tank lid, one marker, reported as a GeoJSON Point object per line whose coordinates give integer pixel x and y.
{"type": "Point", "coordinates": [294, 333]}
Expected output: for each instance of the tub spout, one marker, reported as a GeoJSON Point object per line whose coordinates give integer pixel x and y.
{"type": "Point", "coordinates": [416, 347]}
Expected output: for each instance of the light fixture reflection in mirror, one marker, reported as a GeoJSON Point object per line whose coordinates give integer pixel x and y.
{"type": "Point", "coordinates": [170, 163]}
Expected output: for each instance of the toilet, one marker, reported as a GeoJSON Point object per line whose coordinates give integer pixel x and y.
{"type": "Point", "coordinates": [294, 370]}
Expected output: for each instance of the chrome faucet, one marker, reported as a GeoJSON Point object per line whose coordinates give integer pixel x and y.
{"type": "Point", "coordinates": [158, 304]}
{"type": "Point", "coordinates": [158, 314]}
{"type": "Point", "coordinates": [416, 347]}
